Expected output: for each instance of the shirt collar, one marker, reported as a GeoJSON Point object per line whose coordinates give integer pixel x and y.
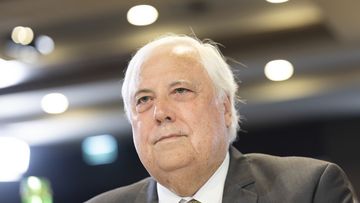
{"type": "Point", "coordinates": [210, 192]}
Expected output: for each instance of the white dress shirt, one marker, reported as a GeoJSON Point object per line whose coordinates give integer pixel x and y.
{"type": "Point", "coordinates": [210, 192]}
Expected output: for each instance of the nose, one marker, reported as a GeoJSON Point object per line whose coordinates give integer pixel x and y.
{"type": "Point", "coordinates": [163, 112]}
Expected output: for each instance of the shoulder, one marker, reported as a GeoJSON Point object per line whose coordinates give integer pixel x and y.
{"type": "Point", "coordinates": [124, 194]}
{"type": "Point", "coordinates": [293, 170]}
{"type": "Point", "coordinates": [286, 163]}
{"type": "Point", "coordinates": [270, 166]}
{"type": "Point", "coordinates": [321, 180]}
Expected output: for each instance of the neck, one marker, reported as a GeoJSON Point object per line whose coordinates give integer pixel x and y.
{"type": "Point", "coordinates": [185, 182]}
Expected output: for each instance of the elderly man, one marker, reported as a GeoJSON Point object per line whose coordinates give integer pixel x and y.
{"type": "Point", "coordinates": [179, 95]}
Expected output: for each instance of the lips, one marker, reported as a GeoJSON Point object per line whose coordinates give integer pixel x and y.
{"type": "Point", "coordinates": [167, 137]}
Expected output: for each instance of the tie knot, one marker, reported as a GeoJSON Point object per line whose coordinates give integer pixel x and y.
{"type": "Point", "coordinates": [191, 201]}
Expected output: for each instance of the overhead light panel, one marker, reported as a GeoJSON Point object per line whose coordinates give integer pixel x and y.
{"type": "Point", "coordinates": [277, 1]}
{"type": "Point", "coordinates": [142, 15]}
{"type": "Point", "coordinates": [11, 73]}
{"type": "Point", "coordinates": [54, 103]}
{"type": "Point", "coordinates": [14, 158]}
{"type": "Point", "coordinates": [279, 70]}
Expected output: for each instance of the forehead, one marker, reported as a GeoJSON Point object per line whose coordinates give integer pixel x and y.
{"type": "Point", "coordinates": [182, 51]}
{"type": "Point", "coordinates": [169, 61]}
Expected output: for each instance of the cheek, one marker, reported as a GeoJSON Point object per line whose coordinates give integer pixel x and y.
{"type": "Point", "coordinates": [213, 122]}
{"type": "Point", "coordinates": [205, 112]}
{"type": "Point", "coordinates": [141, 142]}
{"type": "Point", "coordinates": [136, 138]}
{"type": "Point", "coordinates": [206, 121]}
{"type": "Point", "coordinates": [139, 134]}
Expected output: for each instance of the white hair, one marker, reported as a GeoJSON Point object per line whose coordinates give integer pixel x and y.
{"type": "Point", "coordinates": [212, 60]}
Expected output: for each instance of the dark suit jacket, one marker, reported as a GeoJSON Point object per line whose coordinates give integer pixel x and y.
{"type": "Point", "coordinates": [260, 178]}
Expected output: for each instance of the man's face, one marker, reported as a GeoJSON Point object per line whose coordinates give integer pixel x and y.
{"type": "Point", "coordinates": [177, 120]}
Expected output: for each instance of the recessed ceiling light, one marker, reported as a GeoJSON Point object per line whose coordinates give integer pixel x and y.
{"type": "Point", "coordinates": [279, 70]}
{"type": "Point", "coordinates": [44, 44]}
{"type": "Point", "coordinates": [277, 1]}
{"type": "Point", "coordinates": [22, 35]}
{"type": "Point", "coordinates": [142, 15]}
{"type": "Point", "coordinates": [54, 103]}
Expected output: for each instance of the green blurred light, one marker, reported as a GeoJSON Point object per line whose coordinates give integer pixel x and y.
{"type": "Point", "coordinates": [35, 190]}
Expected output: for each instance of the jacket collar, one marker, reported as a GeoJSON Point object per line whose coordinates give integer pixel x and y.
{"type": "Point", "coordinates": [239, 183]}
{"type": "Point", "coordinates": [148, 193]}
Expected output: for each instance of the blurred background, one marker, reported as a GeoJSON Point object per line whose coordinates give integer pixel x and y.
{"type": "Point", "coordinates": [62, 126]}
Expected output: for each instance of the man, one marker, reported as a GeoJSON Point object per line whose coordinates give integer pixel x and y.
{"type": "Point", "coordinates": [179, 95]}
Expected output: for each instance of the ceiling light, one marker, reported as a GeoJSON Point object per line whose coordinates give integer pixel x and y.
{"type": "Point", "coordinates": [100, 149]}
{"type": "Point", "coordinates": [277, 1]}
{"type": "Point", "coordinates": [14, 158]}
{"type": "Point", "coordinates": [54, 103]}
{"type": "Point", "coordinates": [279, 70]}
{"type": "Point", "coordinates": [22, 35]}
{"type": "Point", "coordinates": [141, 15]}
{"type": "Point", "coordinates": [44, 44]}
{"type": "Point", "coordinates": [11, 73]}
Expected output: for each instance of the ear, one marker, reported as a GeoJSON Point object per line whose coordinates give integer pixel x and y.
{"type": "Point", "coordinates": [227, 111]}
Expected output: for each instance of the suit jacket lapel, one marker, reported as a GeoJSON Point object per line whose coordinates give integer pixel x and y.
{"type": "Point", "coordinates": [239, 183]}
{"type": "Point", "coordinates": [148, 194]}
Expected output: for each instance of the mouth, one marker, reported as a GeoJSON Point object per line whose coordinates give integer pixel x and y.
{"type": "Point", "coordinates": [168, 137]}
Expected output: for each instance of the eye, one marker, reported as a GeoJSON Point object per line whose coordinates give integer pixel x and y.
{"type": "Point", "coordinates": [143, 100]}
{"type": "Point", "coordinates": [181, 90]}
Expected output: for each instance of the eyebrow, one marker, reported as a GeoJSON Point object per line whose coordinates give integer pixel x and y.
{"type": "Point", "coordinates": [142, 91]}
{"type": "Point", "coordinates": [179, 82]}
